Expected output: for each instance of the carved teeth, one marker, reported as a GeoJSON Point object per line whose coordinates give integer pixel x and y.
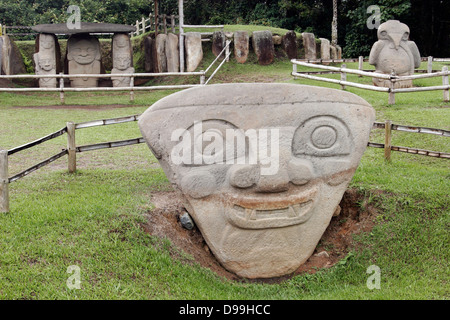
{"type": "Point", "coordinates": [250, 214]}
{"type": "Point", "coordinates": [292, 213]}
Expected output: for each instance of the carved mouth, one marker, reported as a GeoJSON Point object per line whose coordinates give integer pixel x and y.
{"type": "Point", "coordinates": [260, 213]}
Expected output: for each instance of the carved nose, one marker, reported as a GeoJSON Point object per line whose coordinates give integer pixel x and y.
{"type": "Point", "coordinates": [274, 183]}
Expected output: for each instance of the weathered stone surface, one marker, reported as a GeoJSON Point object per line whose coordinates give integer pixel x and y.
{"type": "Point", "coordinates": [45, 60]}
{"type": "Point", "coordinates": [263, 46]}
{"type": "Point", "coordinates": [148, 50]}
{"type": "Point", "coordinates": [172, 53]}
{"type": "Point", "coordinates": [84, 57]}
{"type": "Point", "coordinates": [339, 52]}
{"type": "Point", "coordinates": [241, 46]}
{"type": "Point", "coordinates": [333, 52]}
{"type": "Point", "coordinates": [194, 50]}
{"type": "Point", "coordinates": [86, 27]}
{"type": "Point", "coordinates": [122, 53]}
{"type": "Point", "coordinates": [324, 49]}
{"type": "Point", "coordinates": [309, 45]}
{"type": "Point", "coordinates": [12, 62]}
{"type": "Point", "coordinates": [218, 42]}
{"type": "Point", "coordinates": [394, 53]}
{"type": "Point", "coordinates": [161, 58]}
{"type": "Point", "coordinates": [277, 39]}
{"type": "Point", "coordinates": [290, 44]}
{"type": "Point", "coordinates": [262, 205]}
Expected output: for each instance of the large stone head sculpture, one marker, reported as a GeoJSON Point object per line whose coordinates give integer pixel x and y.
{"type": "Point", "coordinates": [394, 52]}
{"type": "Point", "coordinates": [261, 167]}
{"type": "Point", "coordinates": [84, 57]}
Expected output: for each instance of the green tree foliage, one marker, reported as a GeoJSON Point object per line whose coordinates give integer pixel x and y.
{"type": "Point", "coordinates": [428, 20]}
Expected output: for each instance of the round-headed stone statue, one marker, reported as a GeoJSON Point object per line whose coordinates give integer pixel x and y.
{"type": "Point", "coordinates": [393, 53]}
{"type": "Point", "coordinates": [261, 167]}
{"type": "Point", "coordinates": [84, 57]}
{"type": "Point", "coordinates": [45, 60]}
{"type": "Point", "coordinates": [122, 59]}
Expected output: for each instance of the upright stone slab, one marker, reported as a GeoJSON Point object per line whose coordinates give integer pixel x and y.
{"type": "Point", "coordinates": [263, 46]}
{"type": "Point", "coordinates": [339, 52]}
{"type": "Point", "coordinates": [122, 53]}
{"type": "Point", "coordinates": [309, 45]}
{"type": "Point", "coordinates": [11, 58]}
{"type": "Point", "coordinates": [84, 57]}
{"type": "Point", "coordinates": [218, 42]}
{"type": "Point", "coordinates": [333, 52]}
{"type": "Point", "coordinates": [161, 58]}
{"type": "Point", "coordinates": [241, 46]}
{"type": "Point", "coordinates": [148, 50]}
{"type": "Point", "coordinates": [172, 53]}
{"type": "Point", "coordinates": [193, 50]}
{"type": "Point", "coordinates": [324, 49]}
{"type": "Point", "coordinates": [261, 167]}
{"type": "Point", "coordinates": [290, 44]}
{"type": "Point", "coordinates": [394, 53]}
{"type": "Point", "coordinates": [45, 60]}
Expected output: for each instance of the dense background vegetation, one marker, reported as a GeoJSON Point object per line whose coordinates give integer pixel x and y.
{"type": "Point", "coordinates": [428, 19]}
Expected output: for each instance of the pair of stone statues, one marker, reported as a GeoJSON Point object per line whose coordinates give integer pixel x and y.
{"type": "Point", "coordinates": [83, 57]}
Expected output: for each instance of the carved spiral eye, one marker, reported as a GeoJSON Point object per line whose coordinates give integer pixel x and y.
{"type": "Point", "coordinates": [323, 136]}
{"type": "Point", "coordinates": [405, 36]}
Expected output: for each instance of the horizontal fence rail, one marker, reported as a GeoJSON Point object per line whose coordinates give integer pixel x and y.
{"type": "Point", "coordinates": [391, 90]}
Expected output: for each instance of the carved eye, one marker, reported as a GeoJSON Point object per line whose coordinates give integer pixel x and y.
{"type": "Point", "coordinates": [323, 136]}
{"type": "Point", "coordinates": [383, 33]}
{"type": "Point", "coordinates": [405, 36]}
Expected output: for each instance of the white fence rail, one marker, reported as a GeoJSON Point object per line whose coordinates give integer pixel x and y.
{"type": "Point", "coordinates": [391, 78]}
{"type": "Point", "coordinates": [154, 23]}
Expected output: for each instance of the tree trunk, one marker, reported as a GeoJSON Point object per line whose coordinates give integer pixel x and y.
{"type": "Point", "coordinates": [334, 24]}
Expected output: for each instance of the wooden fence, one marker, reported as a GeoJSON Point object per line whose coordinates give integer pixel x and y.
{"type": "Point", "coordinates": [391, 78]}
{"type": "Point", "coordinates": [156, 23]}
{"type": "Point", "coordinates": [72, 148]}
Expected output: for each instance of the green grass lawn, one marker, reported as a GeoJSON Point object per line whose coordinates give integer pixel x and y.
{"type": "Point", "coordinates": [93, 219]}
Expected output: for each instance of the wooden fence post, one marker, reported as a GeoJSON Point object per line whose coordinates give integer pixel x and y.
{"type": "Point", "coordinates": [227, 51]}
{"type": "Point", "coordinates": [360, 64]}
{"type": "Point", "coordinates": [132, 91]}
{"type": "Point", "coordinates": [143, 25]}
{"type": "Point", "coordinates": [4, 182]}
{"type": "Point", "coordinates": [172, 23]}
{"type": "Point", "coordinates": [391, 93]}
{"type": "Point", "coordinates": [165, 23]}
{"type": "Point", "coordinates": [343, 76]}
{"type": "Point", "coordinates": [430, 64]}
{"type": "Point", "coordinates": [388, 140]}
{"type": "Point", "coordinates": [445, 83]}
{"type": "Point", "coordinates": [137, 27]}
{"type": "Point", "coordinates": [181, 22]}
{"type": "Point", "coordinates": [61, 87]}
{"type": "Point", "coordinates": [294, 70]}
{"type": "Point", "coordinates": [71, 147]}
{"type": "Point", "coordinates": [202, 78]}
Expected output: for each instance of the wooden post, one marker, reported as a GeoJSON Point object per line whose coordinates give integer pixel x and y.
{"type": "Point", "coordinates": [61, 87]}
{"type": "Point", "coordinates": [430, 64]}
{"type": "Point", "coordinates": [388, 140]}
{"type": "Point", "coordinates": [294, 70]}
{"type": "Point", "coordinates": [445, 83]}
{"type": "Point", "coordinates": [227, 51]}
{"type": "Point", "coordinates": [150, 21]}
{"type": "Point", "coordinates": [172, 23]}
{"type": "Point", "coordinates": [156, 18]}
{"type": "Point", "coordinates": [132, 91]}
{"type": "Point", "coordinates": [360, 63]}
{"type": "Point", "coordinates": [391, 93]}
{"type": "Point", "coordinates": [4, 182]}
{"type": "Point", "coordinates": [137, 27]}
{"type": "Point", "coordinates": [71, 147]}
{"type": "Point", "coordinates": [202, 78]}
{"type": "Point", "coordinates": [143, 24]}
{"type": "Point", "coordinates": [165, 23]}
{"type": "Point", "coordinates": [343, 76]}
{"type": "Point", "coordinates": [181, 21]}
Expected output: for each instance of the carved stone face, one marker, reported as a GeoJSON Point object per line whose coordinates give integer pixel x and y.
{"type": "Point", "coordinates": [262, 204]}
{"type": "Point", "coordinates": [46, 42]}
{"type": "Point", "coordinates": [46, 63]}
{"type": "Point", "coordinates": [122, 62]}
{"type": "Point", "coordinates": [84, 52]}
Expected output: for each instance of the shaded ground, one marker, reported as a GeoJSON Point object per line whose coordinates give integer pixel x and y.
{"type": "Point", "coordinates": [356, 216]}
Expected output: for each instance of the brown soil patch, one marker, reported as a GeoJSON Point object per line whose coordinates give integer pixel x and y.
{"type": "Point", "coordinates": [356, 216]}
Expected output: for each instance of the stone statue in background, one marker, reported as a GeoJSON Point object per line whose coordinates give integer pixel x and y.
{"type": "Point", "coordinates": [122, 59]}
{"type": "Point", "coordinates": [261, 189]}
{"type": "Point", "coordinates": [84, 57]}
{"type": "Point", "coordinates": [45, 60]}
{"type": "Point", "coordinates": [393, 53]}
